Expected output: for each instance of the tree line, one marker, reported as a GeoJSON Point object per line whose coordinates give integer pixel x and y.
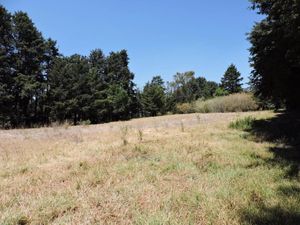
{"type": "Point", "coordinates": [38, 85]}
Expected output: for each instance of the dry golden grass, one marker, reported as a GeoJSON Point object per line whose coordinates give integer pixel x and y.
{"type": "Point", "coordinates": [181, 169]}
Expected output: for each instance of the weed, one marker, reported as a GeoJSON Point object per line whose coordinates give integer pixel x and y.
{"type": "Point", "coordinates": [198, 118]}
{"type": "Point", "coordinates": [181, 126]}
{"type": "Point", "coordinates": [140, 135]}
{"type": "Point", "coordinates": [124, 133]}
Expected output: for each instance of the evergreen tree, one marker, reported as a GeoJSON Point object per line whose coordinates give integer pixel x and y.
{"type": "Point", "coordinates": [98, 83]}
{"type": "Point", "coordinates": [119, 74]}
{"type": "Point", "coordinates": [51, 53]}
{"type": "Point", "coordinates": [29, 79]}
{"type": "Point", "coordinates": [231, 81]}
{"type": "Point", "coordinates": [153, 97]}
{"type": "Point", "coordinates": [69, 89]}
{"type": "Point", "coordinates": [7, 113]}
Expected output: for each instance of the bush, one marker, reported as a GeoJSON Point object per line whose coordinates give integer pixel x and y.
{"type": "Point", "coordinates": [241, 102]}
{"type": "Point", "coordinates": [184, 108]}
{"type": "Point", "coordinates": [85, 122]}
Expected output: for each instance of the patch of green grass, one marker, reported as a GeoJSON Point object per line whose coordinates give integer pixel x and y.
{"type": "Point", "coordinates": [242, 124]}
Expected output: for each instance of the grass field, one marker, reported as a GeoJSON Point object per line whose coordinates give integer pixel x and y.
{"type": "Point", "coordinates": [181, 169]}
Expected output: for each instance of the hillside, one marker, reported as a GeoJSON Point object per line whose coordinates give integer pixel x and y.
{"type": "Point", "coordinates": [179, 169]}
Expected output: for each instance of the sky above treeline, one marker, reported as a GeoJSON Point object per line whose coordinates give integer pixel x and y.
{"type": "Point", "coordinates": [162, 37]}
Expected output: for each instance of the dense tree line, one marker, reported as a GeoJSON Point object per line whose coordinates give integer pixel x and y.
{"type": "Point", "coordinates": [25, 60]}
{"type": "Point", "coordinates": [275, 52]}
{"type": "Point", "coordinates": [38, 85]}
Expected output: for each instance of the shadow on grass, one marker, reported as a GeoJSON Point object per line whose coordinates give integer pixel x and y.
{"type": "Point", "coordinates": [284, 131]}
{"type": "Point", "coordinates": [277, 215]}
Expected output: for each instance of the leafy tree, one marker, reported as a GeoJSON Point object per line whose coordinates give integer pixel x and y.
{"type": "Point", "coordinates": [184, 86]}
{"type": "Point", "coordinates": [231, 80]}
{"type": "Point", "coordinates": [275, 52]}
{"type": "Point", "coordinates": [211, 88]}
{"type": "Point", "coordinates": [153, 97]}
{"type": "Point", "coordinates": [205, 89]}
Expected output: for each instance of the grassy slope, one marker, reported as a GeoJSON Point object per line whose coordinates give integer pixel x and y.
{"type": "Point", "coordinates": [174, 170]}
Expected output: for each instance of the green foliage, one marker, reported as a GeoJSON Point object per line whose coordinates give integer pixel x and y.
{"type": "Point", "coordinates": [275, 52]}
{"type": "Point", "coordinates": [186, 88]}
{"type": "Point", "coordinates": [231, 81]}
{"type": "Point", "coordinates": [6, 78]}
{"type": "Point", "coordinates": [242, 124]}
{"type": "Point", "coordinates": [220, 92]}
{"type": "Point", "coordinates": [26, 58]}
{"type": "Point", "coordinates": [153, 97]}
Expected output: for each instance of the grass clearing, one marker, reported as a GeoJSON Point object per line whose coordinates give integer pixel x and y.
{"type": "Point", "coordinates": [180, 169]}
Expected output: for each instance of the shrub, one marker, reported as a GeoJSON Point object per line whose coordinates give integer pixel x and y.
{"type": "Point", "coordinates": [241, 102]}
{"type": "Point", "coordinates": [184, 108]}
{"type": "Point", "coordinates": [85, 122]}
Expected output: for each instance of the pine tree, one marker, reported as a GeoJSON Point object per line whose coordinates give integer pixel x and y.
{"type": "Point", "coordinates": [231, 80]}
{"type": "Point", "coordinates": [69, 89]}
{"type": "Point", "coordinates": [153, 97]}
{"type": "Point", "coordinates": [7, 114]}
{"type": "Point", "coordinates": [98, 83]}
{"type": "Point", "coordinates": [119, 74]}
{"type": "Point", "coordinates": [29, 80]}
{"type": "Point", "coordinates": [50, 55]}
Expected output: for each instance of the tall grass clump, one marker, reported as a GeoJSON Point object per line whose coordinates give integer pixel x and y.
{"type": "Point", "coordinates": [140, 135]}
{"type": "Point", "coordinates": [185, 108]}
{"type": "Point", "coordinates": [124, 132]}
{"type": "Point", "coordinates": [242, 124]}
{"type": "Point", "coordinates": [241, 102]}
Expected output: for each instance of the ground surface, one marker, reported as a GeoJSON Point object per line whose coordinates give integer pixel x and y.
{"type": "Point", "coordinates": [181, 169]}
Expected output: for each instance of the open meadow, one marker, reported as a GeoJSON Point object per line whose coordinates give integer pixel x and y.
{"type": "Point", "coordinates": [177, 169]}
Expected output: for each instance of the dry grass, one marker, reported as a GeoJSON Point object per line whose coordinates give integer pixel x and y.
{"type": "Point", "coordinates": [182, 169]}
{"type": "Point", "coordinates": [241, 102]}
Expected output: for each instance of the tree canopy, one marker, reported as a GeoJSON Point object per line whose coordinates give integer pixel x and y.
{"type": "Point", "coordinates": [275, 52]}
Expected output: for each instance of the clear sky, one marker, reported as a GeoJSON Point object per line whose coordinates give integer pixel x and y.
{"type": "Point", "coordinates": [162, 37]}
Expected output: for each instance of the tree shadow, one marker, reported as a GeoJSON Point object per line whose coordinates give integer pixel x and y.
{"type": "Point", "coordinates": [277, 215]}
{"type": "Point", "coordinates": [284, 131]}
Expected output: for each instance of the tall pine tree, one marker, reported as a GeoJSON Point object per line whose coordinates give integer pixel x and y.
{"type": "Point", "coordinates": [29, 79]}
{"type": "Point", "coordinates": [7, 114]}
{"type": "Point", "coordinates": [231, 80]}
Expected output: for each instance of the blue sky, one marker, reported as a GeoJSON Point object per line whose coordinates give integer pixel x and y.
{"type": "Point", "coordinates": [162, 37]}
